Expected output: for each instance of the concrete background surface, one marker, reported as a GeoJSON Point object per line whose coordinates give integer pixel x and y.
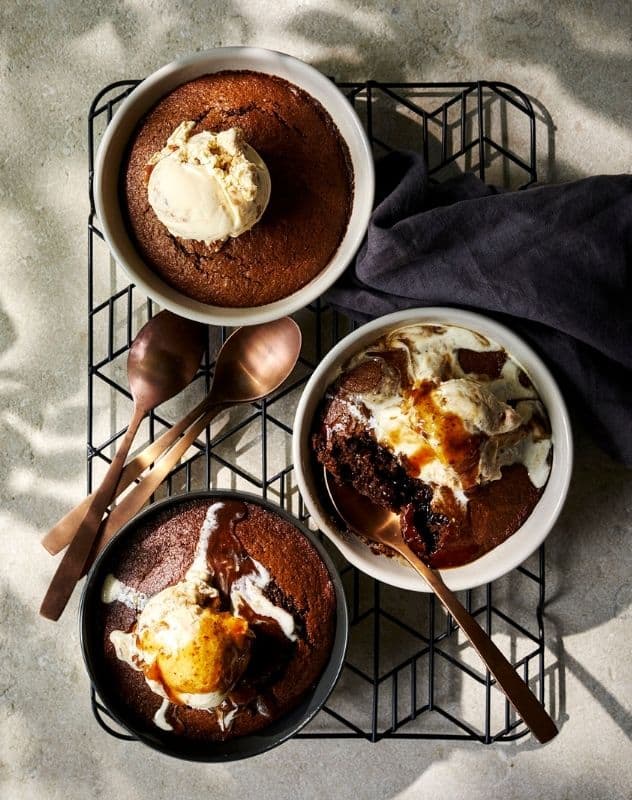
{"type": "Point", "coordinates": [574, 59]}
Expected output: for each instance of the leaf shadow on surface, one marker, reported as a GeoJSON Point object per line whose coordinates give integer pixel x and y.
{"type": "Point", "coordinates": [35, 699]}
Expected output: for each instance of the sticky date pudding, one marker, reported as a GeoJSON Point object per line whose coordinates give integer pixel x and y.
{"type": "Point", "coordinates": [441, 425]}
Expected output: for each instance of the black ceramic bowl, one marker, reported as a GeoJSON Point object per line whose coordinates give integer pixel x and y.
{"type": "Point", "coordinates": [231, 749]}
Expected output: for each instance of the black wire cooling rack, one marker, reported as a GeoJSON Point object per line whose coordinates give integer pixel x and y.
{"type": "Point", "coordinates": [409, 673]}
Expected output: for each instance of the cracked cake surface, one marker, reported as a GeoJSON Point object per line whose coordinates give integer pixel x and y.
{"type": "Point", "coordinates": [310, 202]}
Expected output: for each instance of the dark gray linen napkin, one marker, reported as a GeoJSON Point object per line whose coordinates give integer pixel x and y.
{"type": "Point", "coordinates": [554, 263]}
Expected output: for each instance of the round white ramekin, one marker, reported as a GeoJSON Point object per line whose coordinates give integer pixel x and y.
{"type": "Point", "coordinates": [116, 140]}
{"type": "Point", "coordinates": [514, 550]}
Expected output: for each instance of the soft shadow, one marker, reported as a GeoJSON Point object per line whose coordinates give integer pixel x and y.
{"type": "Point", "coordinates": [591, 71]}
{"type": "Point", "coordinates": [44, 692]}
{"type": "Point", "coordinates": [588, 565]}
{"type": "Point", "coordinates": [545, 142]}
{"type": "Point", "coordinates": [599, 692]}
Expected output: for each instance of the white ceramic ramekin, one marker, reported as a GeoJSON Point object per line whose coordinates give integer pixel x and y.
{"type": "Point", "coordinates": [116, 139]}
{"type": "Point", "coordinates": [517, 547]}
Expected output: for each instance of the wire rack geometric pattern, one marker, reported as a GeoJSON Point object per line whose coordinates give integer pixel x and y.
{"type": "Point", "coordinates": [409, 673]}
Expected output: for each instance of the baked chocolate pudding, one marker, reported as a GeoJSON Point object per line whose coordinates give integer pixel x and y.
{"type": "Point", "coordinates": [217, 617]}
{"type": "Point", "coordinates": [442, 426]}
{"type": "Point", "coordinates": [269, 254]}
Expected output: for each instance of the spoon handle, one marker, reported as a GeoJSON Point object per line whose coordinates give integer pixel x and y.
{"type": "Point", "coordinates": [72, 564]}
{"type": "Point", "coordinates": [137, 498]}
{"type": "Point", "coordinates": [65, 530]}
{"type": "Point", "coordinates": [516, 690]}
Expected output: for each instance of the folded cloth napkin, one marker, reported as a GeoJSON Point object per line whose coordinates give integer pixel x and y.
{"type": "Point", "coordinates": [554, 263]}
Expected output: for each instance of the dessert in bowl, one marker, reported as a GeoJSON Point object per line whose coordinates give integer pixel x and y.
{"type": "Point", "coordinates": [451, 421]}
{"type": "Point", "coordinates": [234, 186]}
{"type": "Point", "coordinates": [213, 626]}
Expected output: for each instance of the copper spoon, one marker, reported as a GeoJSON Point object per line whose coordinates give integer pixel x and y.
{"type": "Point", "coordinates": [281, 338]}
{"type": "Point", "coordinates": [163, 359]}
{"type": "Point", "coordinates": [382, 526]}
{"type": "Point", "coordinates": [253, 362]}
{"type": "Point", "coordinates": [64, 531]}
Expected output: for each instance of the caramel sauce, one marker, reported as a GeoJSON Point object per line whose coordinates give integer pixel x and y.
{"type": "Point", "coordinates": [458, 448]}
{"type": "Point", "coordinates": [270, 651]}
{"type": "Point", "coordinates": [149, 168]}
{"type": "Point", "coordinates": [225, 554]}
{"type": "Point", "coordinates": [154, 673]}
{"type": "Point", "coordinates": [494, 512]}
{"type": "Point", "coordinates": [423, 455]}
{"type": "Point", "coordinates": [457, 554]}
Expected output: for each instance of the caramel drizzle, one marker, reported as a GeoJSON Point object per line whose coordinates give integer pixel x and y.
{"type": "Point", "coordinates": [218, 554]}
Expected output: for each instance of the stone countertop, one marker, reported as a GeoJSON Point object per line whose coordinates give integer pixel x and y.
{"type": "Point", "coordinates": [572, 58]}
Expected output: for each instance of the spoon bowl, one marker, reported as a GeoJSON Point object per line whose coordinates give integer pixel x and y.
{"type": "Point", "coordinates": [163, 359]}
{"type": "Point", "coordinates": [254, 361]}
{"type": "Point", "coordinates": [362, 516]}
{"type": "Point", "coordinates": [251, 363]}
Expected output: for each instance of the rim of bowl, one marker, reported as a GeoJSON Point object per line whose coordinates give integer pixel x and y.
{"type": "Point", "coordinates": [146, 95]}
{"type": "Point", "coordinates": [525, 540]}
{"type": "Point", "coordinates": [259, 741]}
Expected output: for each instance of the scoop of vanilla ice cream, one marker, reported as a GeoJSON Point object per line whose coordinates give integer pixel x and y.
{"type": "Point", "coordinates": [450, 430]}
{"type": "Point", "coordinates": [420, 429]}
{"type": "Point", "coordinates": [208, 187]}
{"type": "Point", "coordinates": [190, 653]}
{"type": "Point", "coordinates": [479, 409]}
{"type": "Point", "coordinates": [479, 412]}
